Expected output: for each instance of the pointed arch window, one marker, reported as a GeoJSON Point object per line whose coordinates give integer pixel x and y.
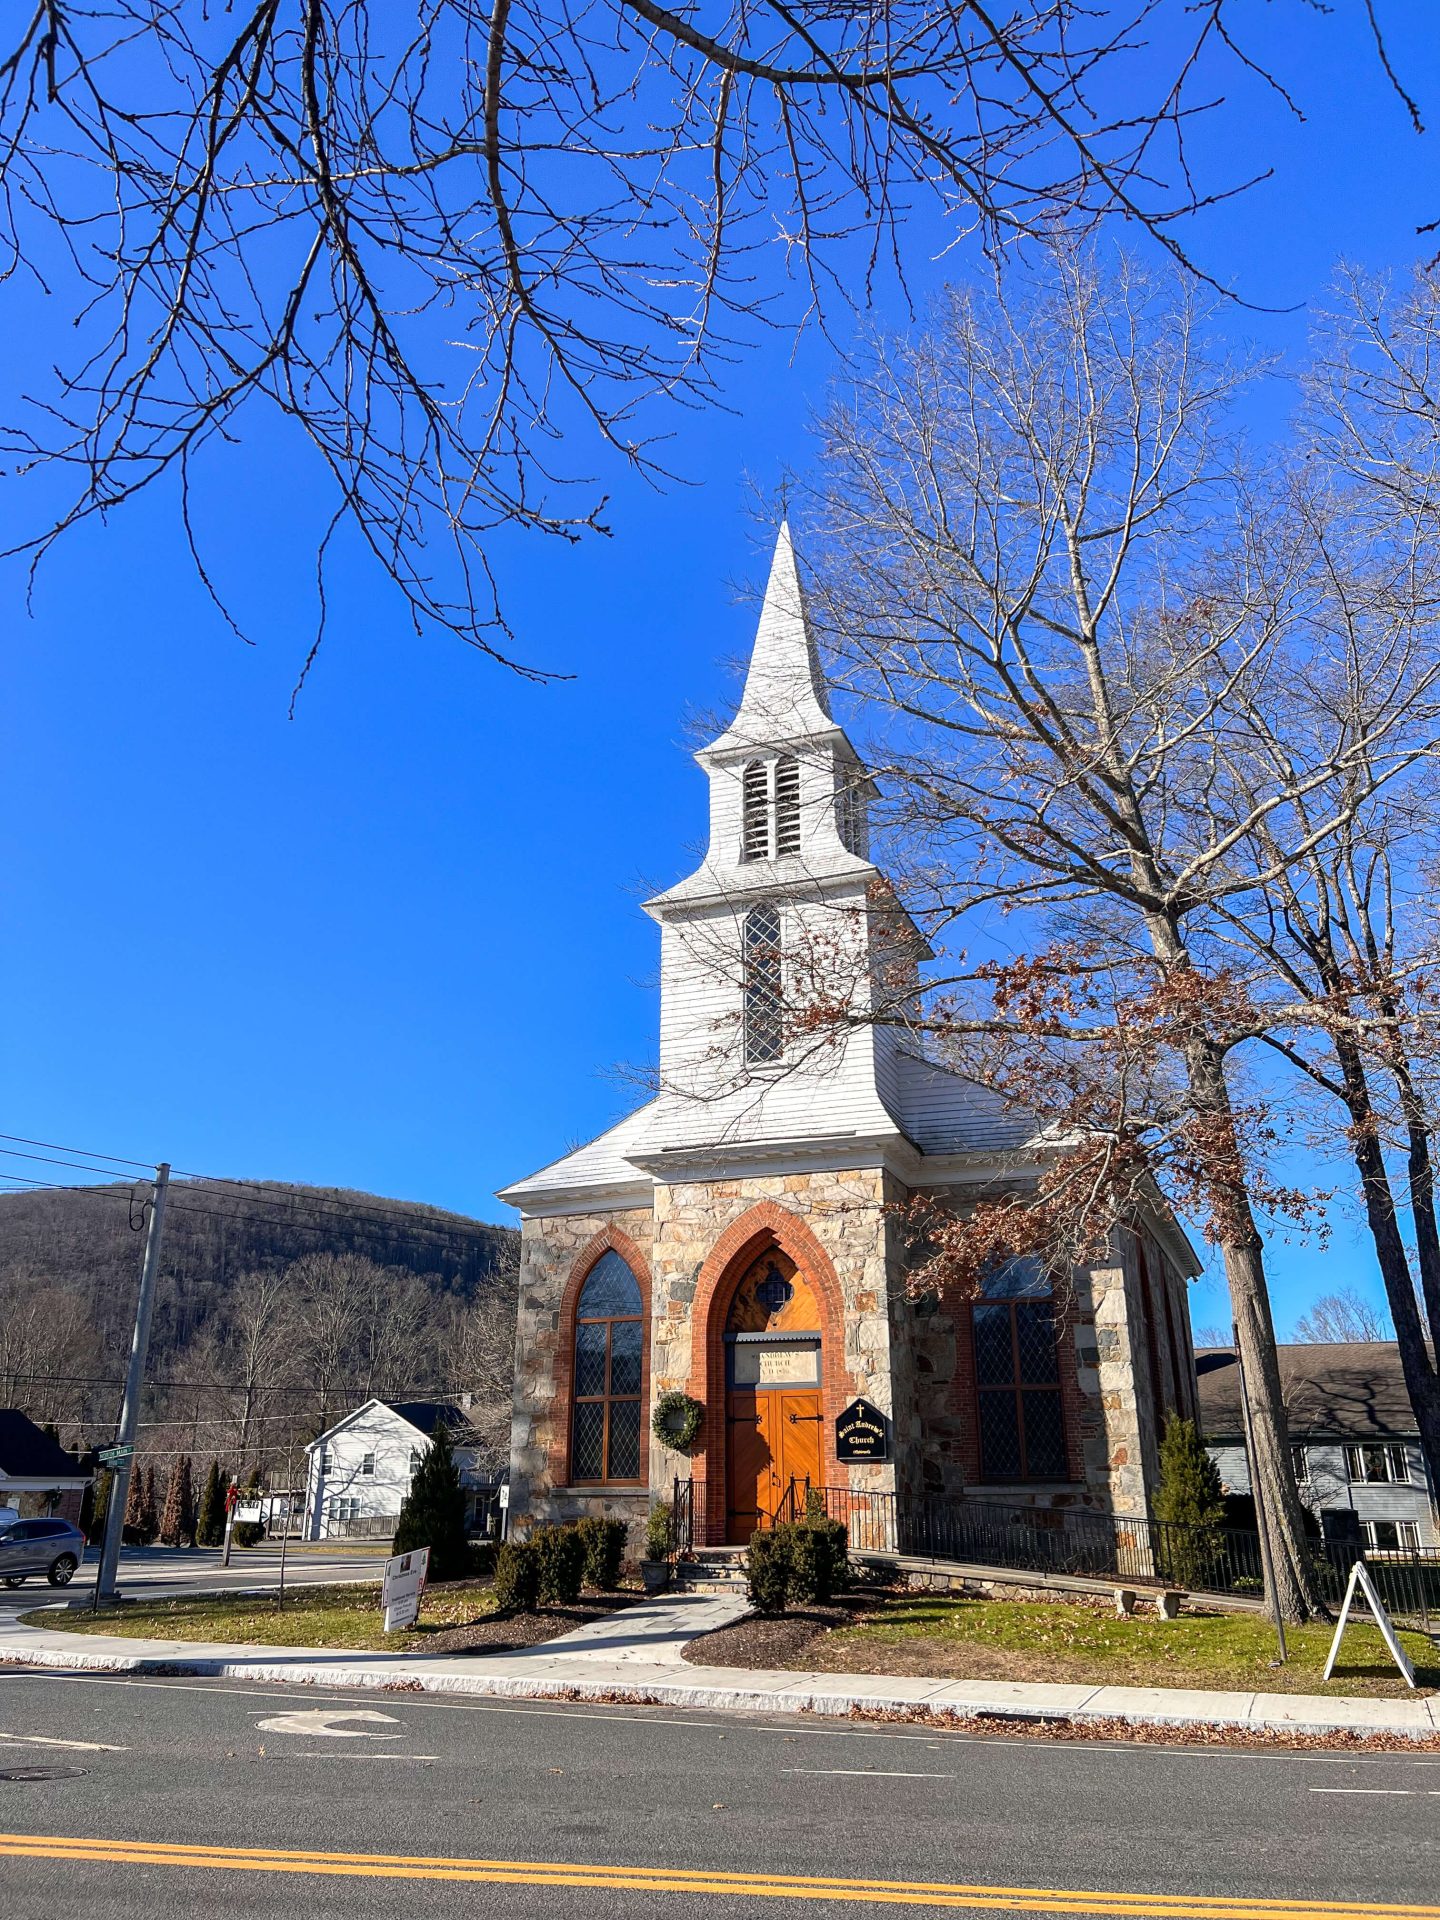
{"type": "Point", "coordinates": [609, 1372]}
{"type": "Point", "coordinates": [1017, 1375]}
{"type": "Point", "coordinates": [850, 814]}
{"type": "Point", "coordinates": [764, 1024]}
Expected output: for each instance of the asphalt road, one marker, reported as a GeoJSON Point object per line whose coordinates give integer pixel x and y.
{"type": "Point", "coordinates": [165, 1572]}
{"type": "Point", "coordinates": [511, 1809]}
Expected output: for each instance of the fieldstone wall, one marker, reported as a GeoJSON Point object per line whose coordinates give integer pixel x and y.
{"type": "Point", "coordinates": [539, 1440]}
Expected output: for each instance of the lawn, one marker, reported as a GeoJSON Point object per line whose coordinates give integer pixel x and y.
{"type": "Point", "coordinates": [958, 1638]}
{"type": "Point", "coordinates": [346, 1617]}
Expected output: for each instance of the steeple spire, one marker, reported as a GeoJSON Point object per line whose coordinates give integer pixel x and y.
{"type": "Point", "coordinates": [784, 697]}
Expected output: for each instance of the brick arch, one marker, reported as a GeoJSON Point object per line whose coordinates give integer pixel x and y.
{"type": "Point", "coordinates": [766, 1224]}
{"type": "Point", "coordinates": [607, 1239]}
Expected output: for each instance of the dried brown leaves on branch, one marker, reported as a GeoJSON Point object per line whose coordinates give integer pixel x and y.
{"type": "Point", "coordinates": [438, 242]}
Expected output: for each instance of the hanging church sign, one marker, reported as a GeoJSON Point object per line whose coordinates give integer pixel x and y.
{"type": "Point", "coordinates": [862, 1433]}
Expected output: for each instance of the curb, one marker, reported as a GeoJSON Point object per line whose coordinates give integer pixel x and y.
{"type": "Point", "coordinates": [710, 1698]}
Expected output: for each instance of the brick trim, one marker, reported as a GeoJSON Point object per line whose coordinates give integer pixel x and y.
{"type": "Point", "coordinates": [608, 1239]}
{"type": "Point", "coordinates": [763, 1225]}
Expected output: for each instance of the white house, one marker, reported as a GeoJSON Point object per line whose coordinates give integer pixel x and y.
{"type": "Point", "coordinates": [359, 1471]}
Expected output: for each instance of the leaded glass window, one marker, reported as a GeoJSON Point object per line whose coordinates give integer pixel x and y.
{"type": "Point", "coordinates": [764, 1026]}
{"type": "Point", "coordinates": [609, 1369]}
{"type": "Point", "coordinates": [1017, 1376]}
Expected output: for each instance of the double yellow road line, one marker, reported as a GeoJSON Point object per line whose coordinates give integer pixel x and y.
{"type": "Point", "coordinates": [643, 1879]}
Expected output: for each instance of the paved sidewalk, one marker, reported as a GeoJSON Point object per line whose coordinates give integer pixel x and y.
{"type": "Point", "coordinates": [635, 1656]}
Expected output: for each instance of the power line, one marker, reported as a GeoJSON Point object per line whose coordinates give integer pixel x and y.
{"type": "Point", "coordinates": [22, 1140]}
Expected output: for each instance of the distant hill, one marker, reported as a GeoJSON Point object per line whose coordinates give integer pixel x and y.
{"type": "Point", "coordinates": [70, 1265]}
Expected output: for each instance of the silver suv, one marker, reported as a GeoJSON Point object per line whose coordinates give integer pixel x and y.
{"type": "Point", "coordinates": [52, 1547]}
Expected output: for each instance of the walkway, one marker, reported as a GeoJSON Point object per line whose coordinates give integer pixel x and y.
{"type": "Point", "coordinates": [635, 1656]}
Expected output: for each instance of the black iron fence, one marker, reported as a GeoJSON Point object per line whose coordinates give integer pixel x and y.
{"type": "Point", "coordinates": [1064, 1540]}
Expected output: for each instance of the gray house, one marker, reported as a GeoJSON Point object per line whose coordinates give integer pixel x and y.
{"type": "Point", "coordinates": [1357, 1455]}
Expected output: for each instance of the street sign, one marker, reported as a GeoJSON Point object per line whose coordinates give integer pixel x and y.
{"type": "Point", "coordinates": [112, 1456]}
{"type": "Point", "coordinates": [403, 1585]}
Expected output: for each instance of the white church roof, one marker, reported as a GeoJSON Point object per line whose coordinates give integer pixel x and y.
{"type": "Point", "coordinates": [784, 697]}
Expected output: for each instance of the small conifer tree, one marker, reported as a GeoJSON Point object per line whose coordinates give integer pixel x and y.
{"type": "Point", "coordinates": [134, 1504]}
{"type": "Point", "coordinates": [433, 1514]}
{"type": "Point", "coordinates": [210, 1524]}
{"type": "Point", "coordinates": [147, 1523]}
{"type": "Point", "coordinates": [177, 1525]}
{"type": "Point", "coordinates": [1189, 1502]}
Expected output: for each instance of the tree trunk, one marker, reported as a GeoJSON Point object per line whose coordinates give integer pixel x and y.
{"type": "Point", "coordinates": [1278, 1506]}
{"type": "Point", "coordinates": [1422, 1383]}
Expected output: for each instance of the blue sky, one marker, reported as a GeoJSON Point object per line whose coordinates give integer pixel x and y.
{"type": "Point", "coordinates": [394, 943]}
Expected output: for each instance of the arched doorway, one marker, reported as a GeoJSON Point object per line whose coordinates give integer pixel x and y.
{"type": "Point", "coordinates": [774, 1414]}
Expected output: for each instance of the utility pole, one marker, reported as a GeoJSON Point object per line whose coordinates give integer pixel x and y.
{"type": "Point", "coordinates": [105, 1588]}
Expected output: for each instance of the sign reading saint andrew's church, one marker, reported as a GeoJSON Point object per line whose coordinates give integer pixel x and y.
{"type": "Point", "coordinates": [862, 1433]}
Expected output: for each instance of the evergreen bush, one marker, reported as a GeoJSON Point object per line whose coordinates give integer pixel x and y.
{"type": "Point", "coordinates": [177, 1527]}
{"type": "Point", "coordinates": [560, 1562]}
{"type": "Point", "coordinates": [210, 1522]}
{"type": "Point", "coordinates": [657, 1532]}
{"type": "Point", "coordinates": [1190, 1504]}
{"type": "Point", "coordinates": [517, 1577]}
{"type": "Point", "coordinates": [767, 1568]}
{"type": "Point", "coordinates": [604, 1543]}
{"type": "Point", "coordinates": [819, 1559]}
{"type": "Point", "coordinates": [433, 1513]}
{"type": "Point", "coordinates": [249, 1533]}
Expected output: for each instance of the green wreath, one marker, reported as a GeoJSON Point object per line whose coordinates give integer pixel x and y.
{"type": "Point", "coordinates": [676, 1420]}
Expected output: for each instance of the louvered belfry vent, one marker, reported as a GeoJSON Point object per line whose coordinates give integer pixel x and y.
{"type": "Point", "coordinates": [787, 805]}
{"type": "Point", "coordinates": [755, 830]}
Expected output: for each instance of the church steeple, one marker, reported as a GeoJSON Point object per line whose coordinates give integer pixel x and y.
{"type": "Point", "coordinates": [787, 791]}
{"type": "Point", "coordinates": [784, 697]}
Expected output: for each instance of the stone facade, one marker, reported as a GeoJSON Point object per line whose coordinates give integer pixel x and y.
{"type": "Point", "coordinates": [913, 1359]}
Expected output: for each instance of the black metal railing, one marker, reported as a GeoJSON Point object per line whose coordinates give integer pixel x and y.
{"type": "Point", "coordinates": [682, 1515]}
{"type": "Point", "coordinates": [1062, 1540]}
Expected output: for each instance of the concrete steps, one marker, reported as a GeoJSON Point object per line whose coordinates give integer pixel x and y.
{"type": "Point", "coordinates": [711, 1570]}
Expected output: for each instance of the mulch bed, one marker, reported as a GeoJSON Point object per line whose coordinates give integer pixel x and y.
{"type": "Point", "coordinates": [508, 1632]}
{"type": "Point", "coordinates": [781, 1642]}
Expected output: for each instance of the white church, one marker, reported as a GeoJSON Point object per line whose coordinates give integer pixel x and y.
{"type": "Point", "coordinates": [736, 1239]}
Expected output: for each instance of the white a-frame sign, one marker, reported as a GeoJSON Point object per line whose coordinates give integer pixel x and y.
{"type": "Point", "coordinates": [1360, 1577]}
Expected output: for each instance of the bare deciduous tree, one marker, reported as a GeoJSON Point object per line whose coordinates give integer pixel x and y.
{"type": "Point", "coordinates": [1047, 564]}
{"type": "Point", "coordinates": [435, 244]}
{"type": "Point", "coordinates": [1344, 1315]}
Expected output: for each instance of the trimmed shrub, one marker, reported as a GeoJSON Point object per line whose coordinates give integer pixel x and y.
{"type": "Point", "coordinates": [767, 1568]}
{"type": "Point", "coordinates": [560, 1563]}
{"type": "Point", "coordinates": [517, 1577]}
{"type": "Point", "coordinates": [819, 1565]}
{"type": "Point", "coordinates": [604, 1543]}
{"type": "Point", "coordinates": [482, 1559]}
{"type": "Point", "coordinates": [657, 1532]}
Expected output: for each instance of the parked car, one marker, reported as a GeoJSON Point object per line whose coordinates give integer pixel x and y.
{"type": "Point", "coordinates": [52, 1547]}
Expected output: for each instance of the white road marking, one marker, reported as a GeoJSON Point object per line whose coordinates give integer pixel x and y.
{"type": "Point", "coordinates": [45, 1740]}
{"type": "Point", "coordinates": [1404, 1793]}
{"type": "Point", "coordinates": [344, 1753]}
{"type": "Point", "coordinates": [868, 1773]}
{"type": "Point", "coordinates": [324, 1722]}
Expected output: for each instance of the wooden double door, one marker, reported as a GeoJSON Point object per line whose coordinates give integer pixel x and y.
{"type": "Point", "coordinates": [773, 1434]}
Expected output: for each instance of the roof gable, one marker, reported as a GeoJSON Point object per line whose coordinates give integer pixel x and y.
{"type": "Point", "coordinates": [27, 1452]}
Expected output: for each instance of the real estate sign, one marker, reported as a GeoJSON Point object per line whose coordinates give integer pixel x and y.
{"type": "Point", "coordinates": [403, 1585]}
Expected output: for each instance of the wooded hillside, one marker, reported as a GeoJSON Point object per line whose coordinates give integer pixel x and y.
{"type": "Point", "coordinates": [277, 1307]}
